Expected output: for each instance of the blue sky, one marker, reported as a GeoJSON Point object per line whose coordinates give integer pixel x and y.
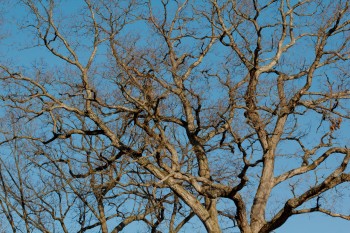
{"type": "Point", "coordinates": [316, 222]}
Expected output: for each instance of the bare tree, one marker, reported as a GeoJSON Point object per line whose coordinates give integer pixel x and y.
{"type": "Point", "coordinates": [173, 113]}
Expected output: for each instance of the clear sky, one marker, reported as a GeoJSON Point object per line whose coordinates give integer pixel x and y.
{"type": "Point", "coordinates": [315, 222]}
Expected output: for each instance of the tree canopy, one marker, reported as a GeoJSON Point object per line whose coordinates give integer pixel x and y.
{"type": "Point", "coordinates": [178, 114]}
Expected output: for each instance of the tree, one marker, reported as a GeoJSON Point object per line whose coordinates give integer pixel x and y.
{"type": "Point", "coordinates": [174, 113]}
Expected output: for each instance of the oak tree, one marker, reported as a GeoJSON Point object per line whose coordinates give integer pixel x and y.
{"type": "Point", "coordinates": [174, 114]}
